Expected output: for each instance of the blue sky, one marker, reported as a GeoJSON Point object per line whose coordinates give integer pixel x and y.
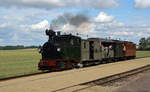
{"type": "Point", "coordinates": [24, 22]}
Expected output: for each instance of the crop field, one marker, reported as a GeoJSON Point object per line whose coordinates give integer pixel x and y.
{"type": "Point", "coordinates": [21, 62]}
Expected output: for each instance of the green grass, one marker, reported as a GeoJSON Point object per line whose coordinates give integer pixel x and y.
{"type": "Point", "coordinates": [142, 53]}
{"type": "Point", "coordinates": [21, 62]}
{"type": "Point", "coordinates": [18, 62]}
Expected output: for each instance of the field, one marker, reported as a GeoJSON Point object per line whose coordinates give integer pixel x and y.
{"type": "Point", "coordinates": [18, 62]}
{"type": "Point", "coordinates": [142, 53]}
{"type": "Point", "coordinates": [21, 62]}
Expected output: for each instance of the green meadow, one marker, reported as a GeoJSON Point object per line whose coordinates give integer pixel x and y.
{"type": "Point", "coordinates": [18, 62]}
{"type": "Point", "coordinates": [142, 53]}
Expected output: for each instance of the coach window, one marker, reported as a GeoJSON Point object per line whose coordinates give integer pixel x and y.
{"type": "Point", "coordinates": [78, 41]}
{"type": "Point", "coordinates": [84, 44]}
{"type": "Point", "coordinates": [71, 42]}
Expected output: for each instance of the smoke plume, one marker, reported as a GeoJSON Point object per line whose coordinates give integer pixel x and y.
{"type": "Point", "coordinates": [72, 23]}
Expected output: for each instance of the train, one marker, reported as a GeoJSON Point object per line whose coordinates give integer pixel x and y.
{"type": "Point", "coordinates": [67, 51]}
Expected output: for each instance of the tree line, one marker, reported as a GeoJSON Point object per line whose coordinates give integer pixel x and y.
{"type": "Point", "coordinates": [144, 44]}
{"type": "Point", "coordinates": [16, 47]}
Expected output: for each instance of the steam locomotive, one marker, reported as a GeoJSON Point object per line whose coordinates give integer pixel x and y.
{"type": "Point", "coordinates": [69, 51]}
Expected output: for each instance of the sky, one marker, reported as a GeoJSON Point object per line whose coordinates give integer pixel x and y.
{"type": "Point", "coordinates": [23, 22]}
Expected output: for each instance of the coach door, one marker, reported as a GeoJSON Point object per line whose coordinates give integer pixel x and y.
{"type": "Point", "coordinates": [84, 50]}
{"type": "Point", "coordinates": [91, 49]}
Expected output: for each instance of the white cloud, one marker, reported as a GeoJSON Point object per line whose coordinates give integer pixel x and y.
{"type": "Point", "coordinates": [4, 25]}
{"type": "Point", "coordinates": [141, 34]}
{"type": "Point", "coordinates": [148, 30]}
{"type": "Point", "coordinates": [142, 4]}
{"type": "Point", "coordinates": [49, 4]}
{"type": "Point", "coordinates": [116, 24]}
{"type": "Point", "coordinates": [68, 28]}
{"type": "Point", "coordinates": [103, 17]}
{"type": "Point", "coordinates": [1, 40]}
{"type": "Point", "coordinates": [123, 33]}
{"type": "Point", "coordinates": [113, 24]}
{"type": "Point", "coordinates": [15, 37]}
{"type": "Point", "coordinates": [86, 28]}
{"type": "Point", "coordinates": [41, 25]}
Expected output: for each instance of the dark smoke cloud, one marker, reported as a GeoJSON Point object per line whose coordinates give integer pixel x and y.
{"type": "Point", "coordinates": [78, 19]}
{"type": "Point", "coordinates": [68, 18]}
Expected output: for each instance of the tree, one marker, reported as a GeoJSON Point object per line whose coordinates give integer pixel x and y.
{"type": "Point", "coordinates": [143, 43]}
{"type": "Point", "coordinates": [148, 41]}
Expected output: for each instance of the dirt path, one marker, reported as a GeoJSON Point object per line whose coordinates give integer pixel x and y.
{"type": "Point", "coordinates": [57, 80]}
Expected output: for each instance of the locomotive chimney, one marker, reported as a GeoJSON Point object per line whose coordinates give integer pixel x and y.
{"type": "Point", "coordinates": [50, 33]}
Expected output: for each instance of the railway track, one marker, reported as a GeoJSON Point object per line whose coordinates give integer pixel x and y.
{"type": "Point", "coordinates": [39, 73]}
{"type": "Point", "coordinates": [83, 86]}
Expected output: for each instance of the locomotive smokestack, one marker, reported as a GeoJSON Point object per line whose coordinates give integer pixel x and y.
{"type": "Point", "coordinates": [50, 33]}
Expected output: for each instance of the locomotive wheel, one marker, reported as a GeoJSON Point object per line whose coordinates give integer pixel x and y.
{"type": "Point", "coordinates": [61, 65]}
